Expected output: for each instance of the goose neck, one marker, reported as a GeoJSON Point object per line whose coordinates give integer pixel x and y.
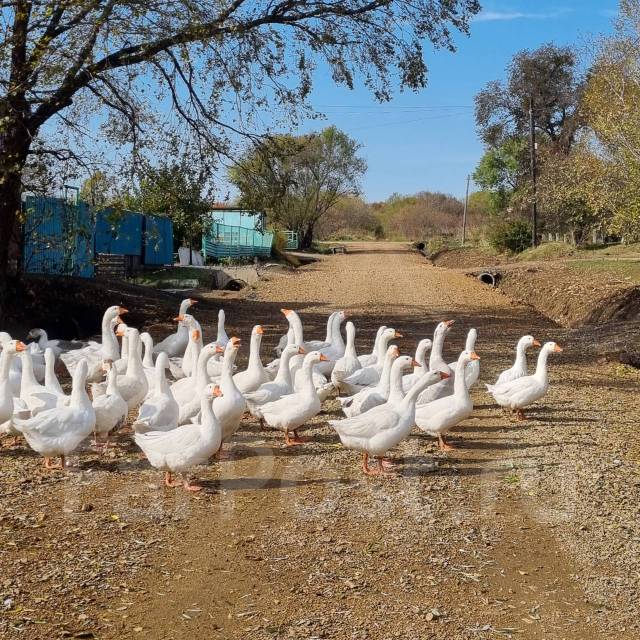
{"type": "Point", "coordinates": [541, 367]}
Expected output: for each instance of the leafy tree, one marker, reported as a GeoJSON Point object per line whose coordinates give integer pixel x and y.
{"type": "Point", "coordinates": [350, 217]}
{"type": "Point", "coordinates": [99, 190]}
{"type": "Point", "coordinates": [547, 76]}
{"type": "Point", "coordinates": [501, 171]}
{"type": "Point", "coordinates": [298, 179]}
{"type": "Point", "coordinates": [612, 108]}
{"type": "Point", "coordinates": [174, 190]}
{"type": "Point", "coordinates": [65, 63]}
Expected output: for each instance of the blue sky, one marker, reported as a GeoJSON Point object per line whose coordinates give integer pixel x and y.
{"type": "Point", "coordinates": [427, 141]}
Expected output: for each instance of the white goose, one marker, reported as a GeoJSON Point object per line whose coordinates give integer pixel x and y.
{"type": "Point", "coordinates": [147, 359]}
{"type": "Point", "coordinates": [58, 346]}
{"type": "Point", "coordinates": [189, 408]}
{"type": "Point", "coordinates": [59, 431]}
{"type": "Point", "coordinates": [519, 368]}
{"type": "Point", "coordinates": [336, 347]}
{"type": "Point", "coordinates": [254, 375]}
{"type": "Point", "coordinates": [175, 344]}
{"type": "Point", "coordinates": [290, 412]}
{"type": "Point", "coordinates": [222, 338]}
{"type": "Point", "coordinates": [370, 375]}
{"type": "Point", "coordinates": [133, 385]}
{"type": "Point", "coordinates": [15, 372]}
{"type": "Point", "coordinates": [371, 397]}
{"type": "Point", "coordinates": [383, 427]}
{"type": "Point", "coordinates": [371, 358]}
{"type": "Point", "coordinates": [441, 415]}
{"type": "Point", "coordinates": [181, 449]}
{"type": "Point", "coordinates": [273, 366]}
{"type": "Point", "coordinates": [437, 363]}
{"type": "Point", "coordinates": [159, 411]}
{"type": "Point", "coordinates": [348, 364]}
{"type": "Point", "coordinates": [230, 407]}
{"type": "Point", "coordinates": [9, 350]}
{"type": "Point", "coordinates": [184, 367]}
{"type": "Point", "coordinates": [111, 409]}
{"type": "Point", "coordinates": [36, 396]}
{"type": "Point", "coordinates": [271, 391]}
{"type": "Point", "coordinates": [51, 382]}
{"type": "Point", "coordinates": [421, 358]}
{"type": "Point", "coordinates": [183, 389]}
{"type": "Point", "coordinates": [520, 393]}
{"type": "Point", "coordinates": [472, 371]}
{"type": "Point", "coordinates": [95, 352]}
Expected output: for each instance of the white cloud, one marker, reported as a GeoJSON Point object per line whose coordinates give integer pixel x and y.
{"type": "Point", "coordinates": [496, 16]}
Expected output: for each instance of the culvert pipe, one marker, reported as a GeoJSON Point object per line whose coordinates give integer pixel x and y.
{"type": "Point", "coordinates": [488, 278]}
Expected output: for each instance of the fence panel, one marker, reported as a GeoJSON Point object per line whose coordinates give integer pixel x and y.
{"type": "Point", "coordinates": [226, 241]}
{"type": "Point", "coordinates": [119, 232]}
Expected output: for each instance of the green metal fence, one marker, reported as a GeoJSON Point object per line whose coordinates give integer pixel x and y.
{"type": "Point", "coordinates": [228, 241]}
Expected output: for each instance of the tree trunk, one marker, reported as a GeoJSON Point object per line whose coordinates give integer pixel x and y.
{"type": "Point", "coordinates": [306, 238]}
{"type": "Point", "coordinates": [14, 147]}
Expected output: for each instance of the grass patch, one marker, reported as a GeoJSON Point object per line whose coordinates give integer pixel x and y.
{"type": "Point", "coordinates": [547, 251]}
{"type": "Point", "coordinates": [619, 269]}
{"type": "Point", "coordinates": [512, 479]}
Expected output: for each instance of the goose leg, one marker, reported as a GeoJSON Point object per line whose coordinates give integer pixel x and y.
{"type": "Point", "coordinates": [382, 470]}
{"type": "Point", "coordinates": [291, 441]}
{"type": "Point", "coordinates": [168, 480]}
{"type": "Point", "coordinates": [365, 465]}
{"type": "Point", "coordinates": [221, 454]}
{"type": "Point", "coordinates": [190, 485]}
{"type": "Point", "coordinates": [388, 463]}
{"type": "Point", "coordinates": [520, 415]}
{"type": "Point", "coordinates": [52, 467]}
{"type": "Point", "coordinates": [444, 446]}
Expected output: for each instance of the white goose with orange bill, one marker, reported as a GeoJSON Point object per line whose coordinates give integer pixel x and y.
{"type": "Point", "coordinates": [175, 344]}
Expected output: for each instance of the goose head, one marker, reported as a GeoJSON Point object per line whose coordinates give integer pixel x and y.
{"type": "Point", "coordinates": [313, 357]}
{"type": "Point", "coordinates": [528, 341]}
{"type": "Point", "coordinates": [552, 347]}
{"type": "Point", "coordinates": [115, 310]}
{"type": "Point", "coordinates": [14, 346]}
{"type": "Point", "coordinates": [405, 362]}
{"type": "Point", "coordinates": [293, 349]}
{"type": "Point", "coordinates": [444, 327]}
{"type": "Point", "coordinates": [468, 356]}
{"type": "Point", "coordinates": [36, 334]}
{"type": "Point", "coordinates": [212, 391]}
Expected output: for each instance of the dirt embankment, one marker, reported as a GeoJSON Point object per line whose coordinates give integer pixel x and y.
{"type": "Point", "coordinates": [569, 296]}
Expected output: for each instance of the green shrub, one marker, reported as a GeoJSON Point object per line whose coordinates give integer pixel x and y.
{"type": "Point", "coordinates": [510, 235]}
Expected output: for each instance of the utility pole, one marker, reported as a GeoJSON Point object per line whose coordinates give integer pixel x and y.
{"type": "Point", "coordinates": [532, 149]}
{"type": "Point", "coordinates": [464, 215]}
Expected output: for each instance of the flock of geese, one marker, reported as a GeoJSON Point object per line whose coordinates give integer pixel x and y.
{"type": "Point", "coordinates": [182, 424]}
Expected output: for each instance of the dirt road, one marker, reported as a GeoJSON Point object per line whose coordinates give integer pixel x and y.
{"type": "Point", "coordinates": [525, 531]}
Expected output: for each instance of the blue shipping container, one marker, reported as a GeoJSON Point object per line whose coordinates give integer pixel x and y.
{"type": "Point", "coordinates": [158, 240]}
{"type": "Point", "coordinates": [58, 237]}
{"type": "Point", "coordinates": [119, 232]}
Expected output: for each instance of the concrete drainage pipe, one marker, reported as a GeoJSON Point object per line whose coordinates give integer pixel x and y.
{"type": "Point", "coordinates": [488, 278]}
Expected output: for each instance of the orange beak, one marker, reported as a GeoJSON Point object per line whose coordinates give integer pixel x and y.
{"type": "Point", "coordinates": [323, 358]}
{"type": "Point", "coordinates": [415, 363]}
{"type": "Point", "coordinates": [286, 312]}
{"type": "Point", "coordinates": [120, 333]}
{"type": "Point", "coordinates": [195, 335]}
{"type": "Point", "coordinates": [449, 323]}
{"type": "Point", "coordinates": [558, 349]}
{"type": "Point", "coordinates": [178, 319]}
{"type": "Point", "coordinates": [122, 311]}
{"type": "Point", "coordinates": [235, 341]}
{"type": "Point", "coordinates": [474, 356]}
{"type": "Point", "coordinates": [21, 346]}
{"type": "Point", "coordinates": [192, 301]}
{"type": "Point", "coordinates": [444, 375]}
{"type": "Point", "coordinates": [219, 349]}
{"type": "Point", "coordinates": [259, 330]}
{"type": "Point", "coordinates": [301, 351]}
{"type": "Point", "coordinates": [217, 392]}
{"type": "Point", "coordinates": [536, 343]}
{"type": "Point", "coordinates": [398, 335]}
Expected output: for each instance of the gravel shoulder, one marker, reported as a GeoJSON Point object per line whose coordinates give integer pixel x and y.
{"type": "Point", "coordinates": [524, 531]}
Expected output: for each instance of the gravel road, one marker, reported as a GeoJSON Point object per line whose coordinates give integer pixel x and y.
{"type": "Point", "coordinates": [526, 531]}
